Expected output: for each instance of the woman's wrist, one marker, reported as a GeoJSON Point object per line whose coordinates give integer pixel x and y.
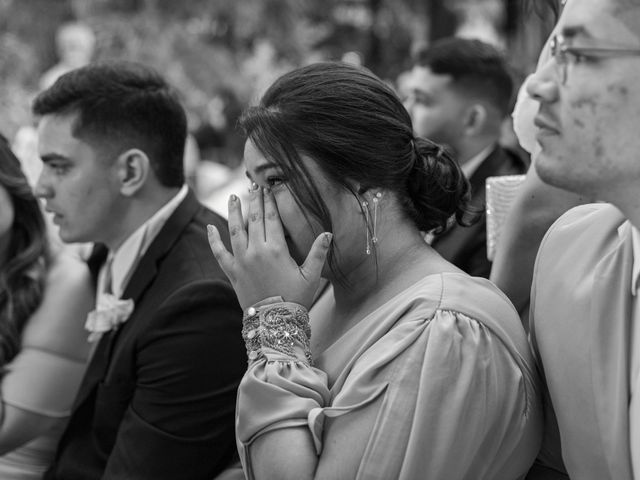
{"type": "Point", "coordinates": [277, 325]}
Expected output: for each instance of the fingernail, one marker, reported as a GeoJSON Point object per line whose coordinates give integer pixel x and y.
{"type": "Point", "coordinates": [210, 230]}
{"type": "Point", "coordinates": [233, 198]}
{"type": "Point", "coordinates": [327, 238]}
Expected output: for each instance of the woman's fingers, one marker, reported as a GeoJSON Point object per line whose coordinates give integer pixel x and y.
{"type": "Point", "coordinates": [272, 224]}
{"type": "Point", "coordinates": [237, 229]}
{"type": "Point", "coordinates": [311, 269]}
{"type": "Point", "coordinates": [255, 227]}
{"type": "Point", "coordinates": [224, 258]}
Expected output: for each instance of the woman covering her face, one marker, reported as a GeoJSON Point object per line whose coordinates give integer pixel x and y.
{"type": "Point", "coordinates": [403, 367]}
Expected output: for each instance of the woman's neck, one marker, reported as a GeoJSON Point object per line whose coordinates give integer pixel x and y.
{"type": "Point", "coordinates": [402, 259]}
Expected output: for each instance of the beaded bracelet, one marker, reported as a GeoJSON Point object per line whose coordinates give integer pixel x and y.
{"type": "Point", "coordinates": [278, 326]}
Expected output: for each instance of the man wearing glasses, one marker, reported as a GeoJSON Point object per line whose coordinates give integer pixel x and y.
{"type": "Point", "coordinates": [585, 305]}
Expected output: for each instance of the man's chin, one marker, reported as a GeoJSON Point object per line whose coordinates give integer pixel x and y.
{"type": "Point", "coordinates": [550, 171]}
{"type": "Point", "coordinates": [69, 237]}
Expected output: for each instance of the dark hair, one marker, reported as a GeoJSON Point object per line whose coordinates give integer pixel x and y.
{"type": "Point", "coordinates": [478, 69]}
{"type": "Point", "coordinates": [356, 129]}
{"type": "Point", "coordinates": [123, 105]}
{"type": "Point", "coordinates": [23, 276]}
{"type": "Point", "coordinates": [542, 7]}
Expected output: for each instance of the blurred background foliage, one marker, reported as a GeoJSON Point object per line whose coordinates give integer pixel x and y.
{"type": "Point", "coordinates": [205, 46]}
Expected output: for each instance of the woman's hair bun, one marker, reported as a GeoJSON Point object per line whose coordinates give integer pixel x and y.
{"type": "Point", "coordinates": [437, 188]}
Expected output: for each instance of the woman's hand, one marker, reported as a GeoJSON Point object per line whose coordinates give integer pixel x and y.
{"type": "Point", "coordinates": [261, 266]}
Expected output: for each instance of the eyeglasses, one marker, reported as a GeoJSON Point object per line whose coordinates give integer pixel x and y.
{"type": "Point", "coordinates": [565, 54]}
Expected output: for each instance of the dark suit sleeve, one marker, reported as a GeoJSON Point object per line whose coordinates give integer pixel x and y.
{"type": "Point", "coordinates": [180, 421]}
{"type": "Point", "coordinates": [478, 265]}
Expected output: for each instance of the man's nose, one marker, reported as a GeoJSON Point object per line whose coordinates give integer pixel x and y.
{"type": "Point", "coordinates": [42, 188]}
{"type": "Point", "coordinates": [543, 84]}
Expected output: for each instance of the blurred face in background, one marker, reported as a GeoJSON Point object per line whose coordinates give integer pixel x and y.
{"type": "Point", "coordinates": [436, 109]}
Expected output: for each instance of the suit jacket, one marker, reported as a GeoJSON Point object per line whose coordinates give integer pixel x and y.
{"type": "Point", "coordinates": [158, 398]}
{"type": "Point", "coordinates": [581, 307]}
{"type": "Point", "coordinates": [466, 247]}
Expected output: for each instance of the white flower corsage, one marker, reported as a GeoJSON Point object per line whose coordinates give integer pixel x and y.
{"type": "Point", "coordinates": [108, 315]}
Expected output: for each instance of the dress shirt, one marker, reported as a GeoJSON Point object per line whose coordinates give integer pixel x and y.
{"type": "Point", "coordinates": [125, 259]}
{"type": "Point", "coordinates": [470, 166]}
{"type": "Point", "coordinates": [634, 370]}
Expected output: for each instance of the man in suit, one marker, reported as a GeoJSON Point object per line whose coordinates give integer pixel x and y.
{"type": "Point", "coordinates": [458, 94]}
{"type": "Point", "coordinates": [585, 306]}
{"type": "Point", "coordinates": [158, 397]}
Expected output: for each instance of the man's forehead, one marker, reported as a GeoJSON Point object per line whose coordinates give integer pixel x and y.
{"type": "Point", "coordinates": [423, 78]}
{"type": "Point", "coordinates": [614, 21]}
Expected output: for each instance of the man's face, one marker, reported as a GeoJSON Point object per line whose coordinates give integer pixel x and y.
{"type": "Point", "coordinates": [436, 109]}
{"type": "Point", "coordinates": [79, 187]}
{"type": "Point", "coordinates": [588, 126]}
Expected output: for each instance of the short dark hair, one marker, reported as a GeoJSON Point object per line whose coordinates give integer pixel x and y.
{"type": "Point", "coordinates": [477, 68]}
{"type": "Point", "coordinates": [356, 129]}
{"type": "Point", "coordinates": [123, 105]}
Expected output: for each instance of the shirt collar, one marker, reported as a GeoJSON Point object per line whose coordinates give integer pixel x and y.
{"type": "Point", "coordinates": [635, 242]}
{"type": "Point", "coordinates": [470, 166]}
{"type": "Point", "coordinates": [126, 257]}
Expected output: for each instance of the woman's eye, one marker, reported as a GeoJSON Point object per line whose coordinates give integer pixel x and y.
{"type": "Point", "coordinates": [274, 181]}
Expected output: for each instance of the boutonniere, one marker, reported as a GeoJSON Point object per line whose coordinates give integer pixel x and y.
{"type": "Point", "coordinates": [108, 315]}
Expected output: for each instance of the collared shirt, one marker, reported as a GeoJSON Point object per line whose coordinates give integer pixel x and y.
{"type": "Point", "coordinates": [470, 166]}
{"type": "Point", "coordinates": [634, 370]}
{"type": "Point", "coordinates": [125, 259]}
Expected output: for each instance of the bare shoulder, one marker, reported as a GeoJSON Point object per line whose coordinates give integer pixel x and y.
{"type": "Point", "coordinates": [58, 324]}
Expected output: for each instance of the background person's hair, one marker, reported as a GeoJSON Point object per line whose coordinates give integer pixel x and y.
{"type": "Point", "coordinates": [357, 130]}
{"type": "Point", "coordinates": [478, 70]}
{"type": "Point", "coordinates": [123, 105]}
{"type": "Point", "coordinates": [542, 7]}
{"type": "Point", "coordinates": [23, 276]}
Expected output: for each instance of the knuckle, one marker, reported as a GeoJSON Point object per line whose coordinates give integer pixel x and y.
{"type": "Point", "coordinates": [235, 230]}
{"type": "Point", "coordinates": [255, 217]}
{"type": "Point", "coordinates": [271, 215]}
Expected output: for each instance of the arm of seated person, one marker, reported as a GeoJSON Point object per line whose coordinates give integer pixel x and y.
{"type": "Point", "coordinates": [536, 206]}
{"type": "Point", "coordinates": [182, 411]}
{"type": "Point", "coordinates": [42, 380]}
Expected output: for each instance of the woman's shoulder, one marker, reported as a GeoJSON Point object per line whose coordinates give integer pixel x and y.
{"type": "Point", "coordinates": [58, 324]}
{"type": "Point", "coordinates": [68, 271]}
{"type": "Point", "coordinates": [476, 299]}
{"type": "Point", "coordinates": [474, 296]}
{"type": "Point", "coordinates": [457, 291]}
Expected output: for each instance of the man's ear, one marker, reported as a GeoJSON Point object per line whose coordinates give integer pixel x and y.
{"type": "Point", "coordinates": [475, 118]}
{"type": "Point", "coordinates": [133, 170]}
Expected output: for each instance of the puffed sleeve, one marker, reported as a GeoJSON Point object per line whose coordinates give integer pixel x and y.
{"type": "Point", "coordinates": [459, 404]}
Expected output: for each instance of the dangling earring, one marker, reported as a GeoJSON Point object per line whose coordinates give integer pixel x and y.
{"type": "Point", "coordinates": [376, 199]}
{"type": "Point", "coordinates": [365, 207]}
{"type": "Point", "coordinates": [372, 233]}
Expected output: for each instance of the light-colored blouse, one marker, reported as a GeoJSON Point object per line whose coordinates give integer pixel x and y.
{"type": "Point", "coordinates": [447, 369]}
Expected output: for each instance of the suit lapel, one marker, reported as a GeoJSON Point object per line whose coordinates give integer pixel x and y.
{"type": "Point", "coordinates": [611, 310]}
{"type": "Point", "coordinates": [139, 281]}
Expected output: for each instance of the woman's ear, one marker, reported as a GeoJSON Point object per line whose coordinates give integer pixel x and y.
{"type": "Point", "coordinates": [133, 171]}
